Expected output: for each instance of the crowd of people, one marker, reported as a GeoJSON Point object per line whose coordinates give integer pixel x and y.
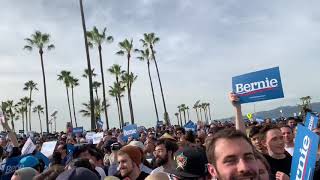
{"type": "Point", "coordinates": [239, 150]}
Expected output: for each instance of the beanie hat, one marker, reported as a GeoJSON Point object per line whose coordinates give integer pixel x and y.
{"type": "Point", "coordinates": [133, 152]}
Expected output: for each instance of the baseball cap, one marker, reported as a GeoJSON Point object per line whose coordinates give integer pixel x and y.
{"type": "Point", "coordinates": [29, 161]}
{"type": "Point", "coordinates": [191, 162]}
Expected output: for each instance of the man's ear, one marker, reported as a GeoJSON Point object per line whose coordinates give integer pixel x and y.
{"type": "Point", "coordinates": [212, 170]}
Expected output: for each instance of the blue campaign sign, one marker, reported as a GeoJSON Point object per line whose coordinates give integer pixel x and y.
{"type": "Point", "coordinates": [190, 126]}
{"type": "Point", "coordinates": [12, 164]}
{"type": "Point", "coordinates": [258, 86]}
{"type": "Point", "coordinates": [304, 154]}
{"type": "Point", "coordinates": [99, 123]}
{"type": "Point", "coordinates": [311, 121]}
{"type": "Point", "coordinates": [130, 130]}
{"type": "Point", "coordinates": [77, 130]}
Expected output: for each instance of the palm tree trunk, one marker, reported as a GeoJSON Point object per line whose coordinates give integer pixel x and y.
{"type": "Point", "coordinates": [197, 114]}
{"type": "Point", "coordinates": [154, 99]}
{"type": "Point", "coordinates": [184, 114]}
{"type": "Point", "coordinates": [30, 109]}
{"type": "Point", "coordinates": [130, 106]}
{"type": "Point", "coordinates": [166, 115]}
{"type": "Point", "coordinates": [118, 108]}
{"type": "Point", "coordinates": [209, 112]}
{"type": "Point", "coordinates": [201, 114]}
{"type": "Point", "coordinates": [93, 121]}
{"type": "Point", "coordinates": [205, 114]}
{"type": "Point", "coordinates": [26, 113]}
{"type": "Point", "coordinates": [40, 122]}
{"type": "Point", "coordinates": [74, 109]}
{"type": "Point", "coordinates": [129, 91]}
{"type": "Point", "coordinates": [188, 114]}
{"type": "Point", "coordinates": [69, 106]}
{"type": "Point", "coordinates": [45, 90]}
{"type": "Point", "coordinates": [22, 118]}
{"type": "Point", "coordinates": [103, 88]}
{"type": "Point", "coordinates": [12, 125]}
{"type": "Point", "coordinates": [121, 112]}
{"type": "Point", "coordinates": [180, 118]}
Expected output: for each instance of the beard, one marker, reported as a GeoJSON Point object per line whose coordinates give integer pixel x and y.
{"type": "Point", "coordinates": [248, 174]}
{"type": "Point", "coordinates": [161, 161]}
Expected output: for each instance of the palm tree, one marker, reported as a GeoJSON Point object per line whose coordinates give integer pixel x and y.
{"type": "Point", "coordinates": [7, 107]}
{"type": "Point", "coordinates": [86, 73]}
{"type": "Point", "coordinates": [66, 77]}
{"type": "Point", "coordinates": [126, 49]}
{"type": "Point", "coordinates": [41, 41]}
{"type": "Point", "coordinates": [20, 108]}
{"type": "Point", "coordinates": [96, 38]}
{"type": "Point", "coordinates": [183, 108]}
{"type": "Point", "coordinates": [117, 72]}
{"type": "Point", "coordinates": [149, 41]}
{"type": "Point", "coordinates": [74, 82]}
{"type": "Point", "coordinates": [119, 88]}
{"type": "Point", "coordinates": [208, 105]}
{"type": "Point", "coordinates": [98, 108]}
{"type": "Point", "coordinates": [24, 102]}
{"type": "Point", "coordinates": [128, 79]}
{"type": "Point", "coordinates": [204, 107]}
{"type": "Point", "coordinates": [95, 86]}
{"type": "Point", "coordinates": [196, 108]}
{"type": "Point", "coordinates": [145, 56]}
{"type": "Point", "coordinates": [113, 93]}
{"type": "Point", "coordinates": [187, 108]}
{"type": "Point", "coordinates": [177, 115]}
{"type": "Point", "coordinates": [30, 86]}
{"type": "Point", "coordinates": [180, 109]}
{"type": "Point", "coordinates": [39, 109]}
{"type": "Point", "coordinates": [93, 121]}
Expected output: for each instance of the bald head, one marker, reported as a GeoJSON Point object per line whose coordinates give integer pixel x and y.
{"type": "Point", "coordinates": [158, 175]}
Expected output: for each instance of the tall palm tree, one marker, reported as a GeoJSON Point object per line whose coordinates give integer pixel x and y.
{"type": "Point", "coordinates": [93, 120]}
{"type": "Point", "coordinates": [145, 56]}
{"type": "Point", "coordinates": [113, 93]}
{"type": "Point", "coordinates": [7, 108]}
{"type": "Point", "coordinates": [187, 108]}
{"type": "Point", "coordinates": [183, 108]}
{"type": "Point", "coordinates": [65, 76]}
{"type": "Point", "coordinates": [41, 41]}
{"type": "Point", "coordinates": [180, 109]}
{"type": "Point", "coordinates": [148, 41]}
{"type": "Point", "coordinates": [196, 106]}
{"type": "Point", "coordinates": [119, 89]}
{"type": "Point", "coordinates": [204, 107]}
{"type": "Point", "coordinates": [95, 86]}
{"type": "Point", "coordinates": [128, 79]}
{"type": "Point", "coordinates": [20, 108]}
{"type": "Point", "coordinates": [74, 82]}
{"type": "Point", "coordinates": [117, 72]}
{"type": "Point", "coordinates": [39, 109]}
{"type": "Point", "coordinates": [126, 48]}
{"type": "Point", "coordinates": [208, 106]}
{"type": "Point", "coordinates": [25, 102]}
{"type": "Point", "coordinates": [86, 73]}
{"type": "Point", "coordinates": [177, 115]}
{"type": "Point", "coordinates": [30, 86]}
{"type": "Point", "coordinates": [96, 39]}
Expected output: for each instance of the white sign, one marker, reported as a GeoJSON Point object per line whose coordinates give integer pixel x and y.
{"type": "Point", "coordinates": [97, 137]}
{"type": "Point", "coordinates": [89, 136]}
{"type": "Point", "coordinates": [48, 148]}
{"type": "Point", "coordinates": [28, 147]}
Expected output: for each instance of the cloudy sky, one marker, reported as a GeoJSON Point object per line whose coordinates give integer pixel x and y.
{"type": "Point", "coordinates": [203, 44]}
